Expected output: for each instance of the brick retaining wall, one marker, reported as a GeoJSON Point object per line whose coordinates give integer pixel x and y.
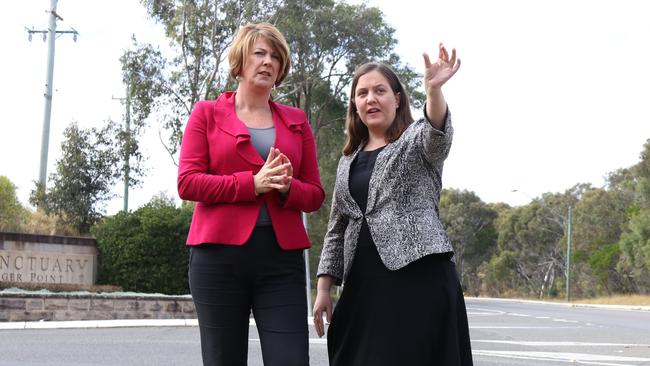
{"type": "Point", "coordinates": [53, 306]}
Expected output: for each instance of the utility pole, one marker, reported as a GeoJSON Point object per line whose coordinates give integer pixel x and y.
{"type": "Point", "coordinates": [50, 36]}
{"type": "Point", "coordinates": [127, 144]}
{"type": "Point", "coordinates": [568, 256]}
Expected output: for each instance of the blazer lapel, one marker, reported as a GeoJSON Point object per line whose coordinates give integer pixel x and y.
{"type": "Point", "coordinates": [286, 123]}
{"type": "Point", "coordinates": [373, 185]}
{"type": "Point", "coordinates": [343, 180]}
{"type": "Point", "coordinates": [227, 120]}
{"type": "Point", "coordinates": [291, 118]}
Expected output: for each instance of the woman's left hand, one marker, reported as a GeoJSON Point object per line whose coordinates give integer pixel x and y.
{"type": "Point", "coordinates": [436, 74]}
{"type": "Point", "coordinates": [288, 173]}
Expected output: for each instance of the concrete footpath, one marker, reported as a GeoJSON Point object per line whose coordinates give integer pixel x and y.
{"type": "Point", "coordinates": [116, 323]}
{"type": "Point", "coordinates": [122, 323]}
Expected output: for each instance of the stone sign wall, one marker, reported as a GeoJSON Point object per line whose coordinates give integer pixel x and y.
{"type": "Point", "coordinates": [82, 306]}
{"type": "Point", "coordinates": [44, 259]}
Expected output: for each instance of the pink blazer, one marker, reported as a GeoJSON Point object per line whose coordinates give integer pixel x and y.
{"type": "Point", "coordinates": [216, 168]}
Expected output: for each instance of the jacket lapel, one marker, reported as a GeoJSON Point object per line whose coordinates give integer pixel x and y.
{"type": "Point", "coordinates": [289, 117]}
{"type": "Point", "coordinates": [373, 185]}
{"type": "Point", "coordinates": [286, 122]}
{"type": "Point", "coordinates": [227, 120]}
{"type": "Point", "coordinates": [343, 180]}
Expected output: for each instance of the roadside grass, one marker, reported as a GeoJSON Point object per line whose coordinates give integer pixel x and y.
{"type": "Point", "coordinates": [632, 300]}
{"type": "Point", "coordinates": [643, 300]}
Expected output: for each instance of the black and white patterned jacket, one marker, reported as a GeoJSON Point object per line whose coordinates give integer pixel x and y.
{"type": "Point", "coordinates": [402, 209]}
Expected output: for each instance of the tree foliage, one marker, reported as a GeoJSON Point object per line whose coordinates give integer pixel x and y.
{"type": "Point", "coordinates": [328, 41]}
{"type": "Point", "coordinates": [199, 33]}
{"type": "Point", "coordinates": [12, 214]}
{"type": "Point", "coordinates": [470, 224]}
{"type": "Point", "coordinates": [142, 75]}
{"type": "Point", "coordinates": [85, 174]}
{"type": "Point", "coordinates": [599, 217]}
{"type": "Point", "coordinates": [635, 239]}
{"type": "Point", "coordinates": [532, 235]}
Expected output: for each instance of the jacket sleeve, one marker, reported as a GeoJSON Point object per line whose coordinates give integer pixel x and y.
{"type": "Point", "coordinates": [435, 143]}
{"type": "Point", "coordinates": [332, 256]}
{"type": "Point", "coordinates": [195, 183]}
{"type": "Point", "coordinates": [306, 192]}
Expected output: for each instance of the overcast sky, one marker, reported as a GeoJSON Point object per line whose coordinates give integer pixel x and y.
{"type": "Point", "coordinates": [550, 93]}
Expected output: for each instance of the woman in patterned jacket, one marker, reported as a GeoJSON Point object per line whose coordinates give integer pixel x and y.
{"type": "Point", "coordinates": [402, 303]}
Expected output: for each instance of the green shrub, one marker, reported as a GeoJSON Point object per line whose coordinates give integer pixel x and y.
{"type": "Point", "coordinates": [144, 250]}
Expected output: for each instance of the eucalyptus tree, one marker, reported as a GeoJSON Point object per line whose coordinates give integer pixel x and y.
{"type": "Point", "coordinates": [599, 218]}
{"type": "Point", "coordinates": [634, 262]}
{"type": "Point", "coordinates": [533, 235]}
{"type": "Point", "coordinates": [84, 177]}
{"type": "Point", "coordinates": [141, 74]}
{"type": "Point", "coordinates": [192, 68]}
{"type": "Point", "coordinates": [470, 224]}
{"type": "Point", "coordinates": [329, 40]}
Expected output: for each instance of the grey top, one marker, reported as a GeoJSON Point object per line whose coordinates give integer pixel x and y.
{"type": "Point", "coordinates": [402, 208]}
{"type": "Point", "coordinates": [263, 139]}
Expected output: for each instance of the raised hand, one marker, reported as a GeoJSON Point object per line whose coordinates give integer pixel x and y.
{"type": "Point", "coordinates": [438, 72]}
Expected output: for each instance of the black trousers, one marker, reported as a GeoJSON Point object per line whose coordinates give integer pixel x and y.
{"type": "Point", "coordinates": [227, 282]}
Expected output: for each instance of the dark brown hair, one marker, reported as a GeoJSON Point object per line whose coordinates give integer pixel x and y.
{"type": "Point", "coordinates": [357, 132]}
{"type": "Point", "coordinates": [245, 39]}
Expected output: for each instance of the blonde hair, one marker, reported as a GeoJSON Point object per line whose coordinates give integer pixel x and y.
{"type": "Point", "coordinates": [244, 40]}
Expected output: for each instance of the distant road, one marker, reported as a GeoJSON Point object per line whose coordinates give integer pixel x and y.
{"type": "Point", "coordinates": [530, 333]}
{"type": "Point", "coordinates": [504, 333]}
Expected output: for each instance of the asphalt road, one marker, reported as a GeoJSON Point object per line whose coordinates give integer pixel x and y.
{"type": "Point", "coordinates": [528, 333]}
{"type": "Point", "coordinates": [503, 333]}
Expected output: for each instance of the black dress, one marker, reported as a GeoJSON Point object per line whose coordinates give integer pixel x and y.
{"type": "Point", "coordinates": [413, 316]}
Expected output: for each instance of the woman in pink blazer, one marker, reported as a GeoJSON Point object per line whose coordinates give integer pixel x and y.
{"type": "Point", "coordinates": [250, 165]}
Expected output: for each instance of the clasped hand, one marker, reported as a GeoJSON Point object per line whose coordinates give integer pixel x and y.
{"type": "Point", "coordinates": [276, 173]}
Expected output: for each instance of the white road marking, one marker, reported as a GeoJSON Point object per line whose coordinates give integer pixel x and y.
{"type": "Point", "coordinates": [521, 327]}
{"type": "Point", "coordinates": [521, 315]}
{"type": "Point", "coordinates": [565, 321]}
{"type": "Point", "coordinates": [562, 344]}
{"type": "Point", "coordinates": [579, 358]}
{"type": "Point", "coordinates": [311, 340]}
{"type": "Point", "coordinates": [477, 313]}
{"type": "Point", "coordinates": [482, 311]}
{"type": "Point", "coordinates": [488, 312]}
